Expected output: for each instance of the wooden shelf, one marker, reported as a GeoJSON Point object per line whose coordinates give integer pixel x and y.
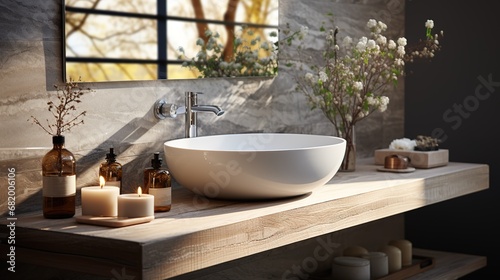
{"type": "Point", "coordinates": [449, 265]}
{"type": "Point", "coordinates": [199, 233]}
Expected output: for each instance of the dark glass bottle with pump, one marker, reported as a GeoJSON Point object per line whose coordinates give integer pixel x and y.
{"type": "Point", "coordinates": [157, 182]}
{"type": "Point", "coordinates": [111, 170]}
{"type": "Point", "coordinates": [59, 181]}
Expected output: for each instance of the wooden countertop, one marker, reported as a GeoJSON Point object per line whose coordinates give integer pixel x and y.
{"type": "Point", "coordinates": [199, 233]}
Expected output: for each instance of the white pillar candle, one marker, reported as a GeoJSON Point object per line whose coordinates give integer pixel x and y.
{"type": "Point", "coordinates": [406, 250]}
{"type": "Point", "coordinates": [136, 205]}
{"type": "Point", "coordinates": [393, 256]}
{"type": "Point", "coordinates": [379, 264]}
{"type": "Point", "coordinates": [100, 200]}
{"type": "Point", "coordinates": [350, 268]}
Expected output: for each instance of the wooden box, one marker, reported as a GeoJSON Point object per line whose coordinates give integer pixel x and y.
{"type": "Point", "coordinates": [418, 159]}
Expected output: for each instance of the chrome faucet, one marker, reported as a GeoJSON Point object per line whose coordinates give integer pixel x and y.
{"type": "Point", "coordinates": [190, 110]}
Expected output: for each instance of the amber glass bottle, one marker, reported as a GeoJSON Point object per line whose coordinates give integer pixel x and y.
{"type": "Point", "coordinates": [111, 170]}
{"type": "Point", "coordinates": [59, 181]}
{"type": "Point", "coordinates": [157, 182]}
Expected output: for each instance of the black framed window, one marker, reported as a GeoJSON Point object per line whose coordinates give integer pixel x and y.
{"type": "Point", "coordinates": [137, 41]}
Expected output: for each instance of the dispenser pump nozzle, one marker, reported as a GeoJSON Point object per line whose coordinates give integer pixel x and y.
{"type": "Point", "coordinates": [111, 156]}
{"type": "Point", "coordinates": [156, 161]}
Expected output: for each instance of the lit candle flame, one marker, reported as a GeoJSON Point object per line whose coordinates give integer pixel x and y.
{"type": "Point", "coordinates": [139, 191]}
{"type": "Point", "coordinates": [102, 182]}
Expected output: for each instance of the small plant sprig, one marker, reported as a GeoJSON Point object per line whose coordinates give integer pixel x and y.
{"type": "Point", "coordinates": [64, 113]}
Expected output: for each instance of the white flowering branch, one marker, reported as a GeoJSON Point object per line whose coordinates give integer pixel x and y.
{"type": "Point", "coordinates": [351, 82]}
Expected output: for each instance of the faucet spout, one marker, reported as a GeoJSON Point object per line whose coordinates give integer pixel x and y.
{"type": "Point", "coordinates": [208, 108]}
{"type": "Point", "coordinates": [192, 109]}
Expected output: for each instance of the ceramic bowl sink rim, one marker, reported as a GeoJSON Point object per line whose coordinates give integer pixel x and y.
{"type": "Point", "coordinates": [201, 145]}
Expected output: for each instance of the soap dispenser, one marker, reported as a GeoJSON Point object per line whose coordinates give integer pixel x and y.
{"type": "Point", "coordinates": [157, 182]}
{"type": "Point", "coordinates": [111, 170]}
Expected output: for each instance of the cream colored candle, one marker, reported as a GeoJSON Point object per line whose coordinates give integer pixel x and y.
{"type": "Point", "coordinates": [406, 250]}
{"type": "Point", "coordinates": [350, 268]}
{"type": "Point", "coordinates": [100, 200]}
{"type": "Point", "coordinates": [379, 264]}
{"type": "Point", "coordinates": [136, 205]}
{"type": "Point", "coordinates": [393, 257]}
{"type": "Point", "coordinates": [354, 251]}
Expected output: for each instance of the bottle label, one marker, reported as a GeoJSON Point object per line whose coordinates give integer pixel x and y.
{"type": "Point", "coordinates": [59, 186]}
{"type": "Point", "coordinates": [162, 196]}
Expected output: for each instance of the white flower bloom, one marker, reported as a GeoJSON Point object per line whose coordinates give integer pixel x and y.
{"type": "Point", "coordinates": [371, 44]}
{"type": "Point", "coordinates": [402, 41]}
{"type": "Point", "coordinates": [429, 23]}
{"type": "Point", "coordinates": [384, 100]}
{"type": "Point", "coordinates": [371, 23]}
{"type": "Point", "coordinates": [404, 144]}
{"type": "Point", "coordinates": [208, 33]}
{"type": "Point", "coordinates": [382, 26]}
{"type": "Point", "coordinates": [370, 100]}
{"type": "Point", "coordinates": [181, 49]}
{"type": "Point", "coordinates": [382, 108]}
{"type": "Point", "coordinates": [382, 40]}
{"type": "Point", "coordinates": [361, 46]}
{"type": "Point", "coordinates": [357, 86]}
{"type": "Point", "coordinates": [348, 117]}
{"type": "Point", "coordinates": [200, 42]}
{"type": "Point", "coordinates": [310, 77]}
{"type": "Point", "coordinates": [392, 45]}
{"type": "Point", "coordinates": [346, 43]}
{"type": "Point", "coordinates": [401, 51]}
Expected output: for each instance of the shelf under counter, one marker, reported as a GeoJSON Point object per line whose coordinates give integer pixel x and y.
{"type": "Point", "coordinates": [448, 265]}
{"type": "Point", "coordinates": [199, 233]}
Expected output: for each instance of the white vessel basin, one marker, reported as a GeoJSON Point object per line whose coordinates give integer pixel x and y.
{"type": "Point", "coordinates": [254, 166]}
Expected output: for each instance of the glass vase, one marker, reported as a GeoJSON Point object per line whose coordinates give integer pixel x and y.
{"type": "Point", "coordinates": [349, 161]}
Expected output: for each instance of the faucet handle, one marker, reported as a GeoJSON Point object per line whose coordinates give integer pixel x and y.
{"type": "Point", "coordinates": [193, 93]}
{"type": "Point", "coordinates": [162, 109]}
